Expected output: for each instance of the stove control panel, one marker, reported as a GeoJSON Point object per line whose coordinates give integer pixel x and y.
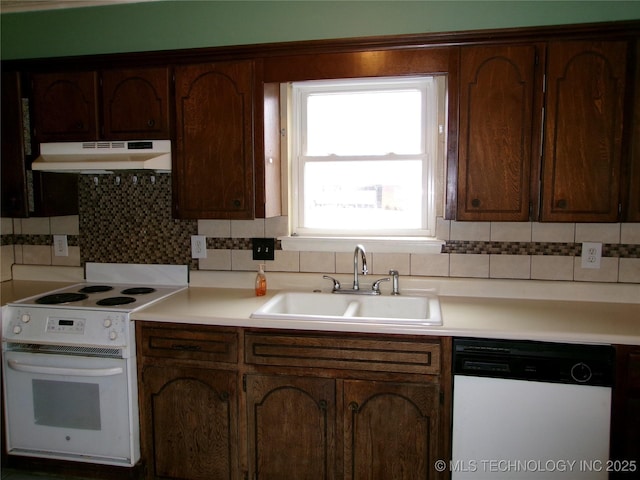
{"type": "Point", "coordinates": [66, 326]}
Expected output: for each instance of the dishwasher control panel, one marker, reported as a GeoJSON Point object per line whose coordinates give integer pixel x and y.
{"type": "Point", "coordinates": [535, 361]}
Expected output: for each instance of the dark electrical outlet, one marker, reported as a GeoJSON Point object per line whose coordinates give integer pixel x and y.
{"type": "Point", "coordinates": [263, 248]}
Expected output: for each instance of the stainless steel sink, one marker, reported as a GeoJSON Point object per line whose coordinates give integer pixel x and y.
{"type": "Point", "coordinates": [327, 307]}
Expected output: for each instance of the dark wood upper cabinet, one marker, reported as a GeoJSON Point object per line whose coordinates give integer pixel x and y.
{"type": "Point", "coordinates": [14, 174]}
{"type": "Point", "coordinates": [562, 149]}
{"type": "Point", "coordinates": [214, 154]}
{"type": "Point", "coordinates": [503, 117]}
{"type": "Point", "coordinates": [498, 131]}
{"type": "Point", "coordinates": [583, 131]}
{"type": "Point", "coordinates": [136, 104]}
{"type": "Point", "coordinates": [65, 106]}
{"type": "Point", "coordinates": [633, 203]}
{"type": "Point", "coordinates": [133, 104]}
{"type": "Point", "coordinates": [26, 193]}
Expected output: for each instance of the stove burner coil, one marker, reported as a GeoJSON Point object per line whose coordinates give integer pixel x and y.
{"type": "Point", "coordinates": [57, 298]}
{"type": "Point", "coordinates": [113, 301]}
{"type": "Point", "coordinates": [138, 290]}
{"type": "Point", "coordinates": [95, 289]}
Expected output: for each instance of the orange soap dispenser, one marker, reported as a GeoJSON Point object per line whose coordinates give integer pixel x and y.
{"type": "Point", "coordinates": [261, 281]}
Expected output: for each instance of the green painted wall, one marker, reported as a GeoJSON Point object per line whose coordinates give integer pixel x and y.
{"type": "Point", "coordinates": [162, 25]}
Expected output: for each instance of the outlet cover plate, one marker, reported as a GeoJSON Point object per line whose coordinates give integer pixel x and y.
{"type": "Point", "coordinates": [263, 248]}
{"type": "Point", "coordinates": [60, 246]}
{"type": "Point", "coordinates": [198, 246]}
{"type": "Point", "coordinates": [591, 254]}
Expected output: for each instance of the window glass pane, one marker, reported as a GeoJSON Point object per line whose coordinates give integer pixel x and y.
{"type": "Point", "coordinates": [364, 123]}
{"type": "Point", "coordinates": [363, 195]}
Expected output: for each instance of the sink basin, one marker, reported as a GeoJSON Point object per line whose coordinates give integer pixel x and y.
{"type": "Point", "coordinates": [328, 307]}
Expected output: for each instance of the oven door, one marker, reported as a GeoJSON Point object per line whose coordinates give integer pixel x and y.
{"type": "Point", "coordinates": [67, 407]}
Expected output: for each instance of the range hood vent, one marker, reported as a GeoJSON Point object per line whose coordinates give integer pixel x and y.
{"type": "Point", "coordinates": [89, 157]}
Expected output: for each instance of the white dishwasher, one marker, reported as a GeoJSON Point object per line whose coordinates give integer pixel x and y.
{"type": "Point", "coordinates": [530, 410]}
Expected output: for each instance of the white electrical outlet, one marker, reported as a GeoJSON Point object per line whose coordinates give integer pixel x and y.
{"type": "Point", "coordinates": [60, 246]}
{"type": "Point", "coordinates": [591, 254]}
{"type": "Point", "coordinates": [198, 246]}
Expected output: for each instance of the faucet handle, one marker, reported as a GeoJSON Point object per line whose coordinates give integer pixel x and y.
{"type": "Point", "coordinates": [336, 283]}
{"type": "Point", "coordinates": [376, 285]}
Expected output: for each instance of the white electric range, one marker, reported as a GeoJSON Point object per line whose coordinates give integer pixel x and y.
{"type": "Point", "coordinates": [69, 364]}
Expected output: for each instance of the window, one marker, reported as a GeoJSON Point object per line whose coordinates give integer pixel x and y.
{"type": "Point", "coordinates": [364, 155]}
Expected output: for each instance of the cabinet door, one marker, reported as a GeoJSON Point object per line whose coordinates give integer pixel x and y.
{"type": "Point", "coordinates": [633, 206]}
{"type": "Point", "coordinates": [14, 176]}
{"type": "Point", "coordinates": [135, 104]}
{"type": "Point", "coordinates": [497, 117]}
{"type": "Point", "coordinates": [189, 423]}
{"type": "Point", "coordinates": [214, 171]}
{"type": "Point", "coordinates": [625, 416]}
{"type": "Point", "coordinates": [391, 430]}
{"type": "Point", "coordinates": [583, 131]}
{"type": "Point", "coordinates": [291, 427]}
{"type": "Point", "coordinates": [65, 106]}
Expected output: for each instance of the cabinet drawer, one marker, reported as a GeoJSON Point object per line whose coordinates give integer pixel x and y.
{"type": "Point", "coordinates": [349, 353]}
{"type": "Point", "coordinates": [194, 344]}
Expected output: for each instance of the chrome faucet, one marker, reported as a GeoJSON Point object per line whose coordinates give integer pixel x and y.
{"type": "Point", "coordinates": [375, 288]}
{"type": "Point", "coordinates": [359, 249]}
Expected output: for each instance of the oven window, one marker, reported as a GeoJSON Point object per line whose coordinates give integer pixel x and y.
{"type": "Point", "coordinates": [67, 404]}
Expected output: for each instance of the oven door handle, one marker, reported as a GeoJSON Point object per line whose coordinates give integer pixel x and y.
{"type": "Point", "coordinates": [75, 372]}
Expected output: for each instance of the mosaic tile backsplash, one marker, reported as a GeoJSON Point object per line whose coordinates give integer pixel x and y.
{"type": "Point", "coordinates": [126, 218]}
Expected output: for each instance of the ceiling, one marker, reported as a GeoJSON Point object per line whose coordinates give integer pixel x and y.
{"type": "Point", "coordinates": [9, 6]}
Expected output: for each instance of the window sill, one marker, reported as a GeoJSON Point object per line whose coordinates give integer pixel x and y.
{"type": "Point", "coordinates": [374, 245]}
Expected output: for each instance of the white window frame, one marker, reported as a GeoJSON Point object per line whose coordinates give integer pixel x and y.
{"type": "Point", "coordinates": [415, 240]}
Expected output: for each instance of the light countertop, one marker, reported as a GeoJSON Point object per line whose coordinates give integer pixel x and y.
{"type": "Point", "coordinates": [13, 290]}
{"type": "Point", "coordinates": [471, 314]}
{"type": "Point", "coordinates": [549, 320]}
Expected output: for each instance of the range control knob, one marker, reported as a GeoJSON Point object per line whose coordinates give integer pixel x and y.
{"type": "Point", "coordinates": [107, 322]}
{"type": "Point", "coordinates": [113, 335]}
{"type": "Point", "coordinates": [17, 329]}
{"type": "Point", "coordinates": [25, 317]}
{"type": "Point", "coordinates": [581, 372]}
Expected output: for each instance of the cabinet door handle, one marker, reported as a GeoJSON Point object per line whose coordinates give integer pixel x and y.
{"type": "Point", "coordinates": [475, 202]}
{"type": "Point", "coordinates": [562, 203]}
{"type": "Point", "coordinates": [151, 123]}
{"type": "Point", "coordinates": [354, 407]}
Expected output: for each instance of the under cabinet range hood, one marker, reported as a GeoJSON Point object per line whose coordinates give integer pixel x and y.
{"type": "Point", "coordinates": [89, 157]}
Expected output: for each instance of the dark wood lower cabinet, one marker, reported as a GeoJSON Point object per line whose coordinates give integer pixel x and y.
{"type": "Point", "coordinates": [390, 430]}
{"type": "Point", "coordinates": [235, 403]}
{"type": "Point", "coordinates": [625, 419]}
{"type": "Point", "coordinates": [291, 427]}
{"type": "Point", "coordinates": [193, 420]}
